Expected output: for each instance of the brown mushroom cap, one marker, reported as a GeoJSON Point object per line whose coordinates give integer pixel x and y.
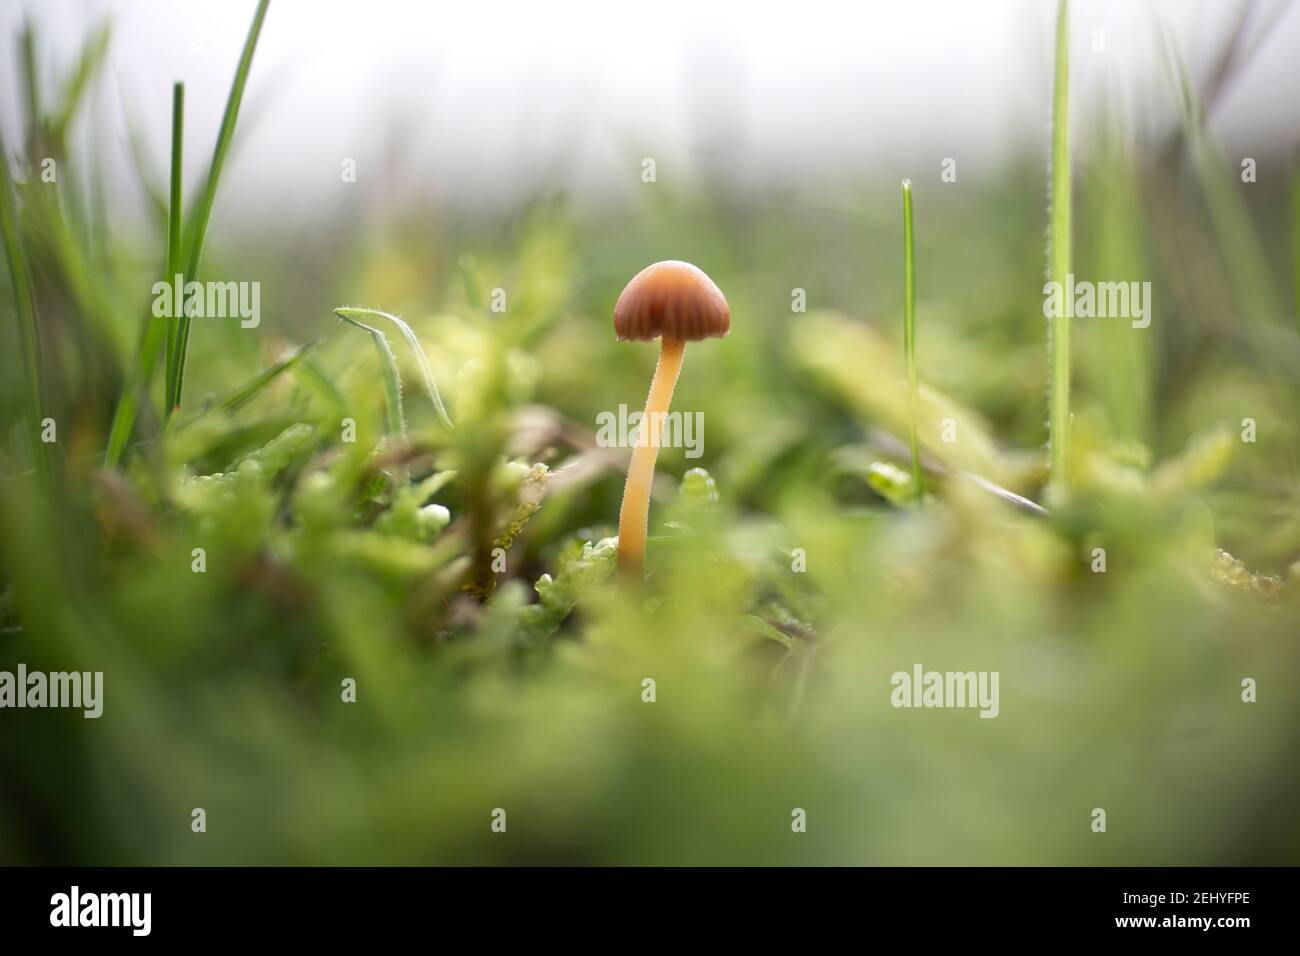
{"type": "Point", "coordinates": [672, 299]}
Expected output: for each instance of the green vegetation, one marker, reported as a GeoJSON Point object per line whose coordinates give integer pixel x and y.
{"type": "Point", "coordinates": [909, 334]}
{"type": "Point", "coordinates": [463, 577]}
{"type": "Point", "coordinates": [1058, 251]}
{"type": "Point", "coordinates": [192, 252]}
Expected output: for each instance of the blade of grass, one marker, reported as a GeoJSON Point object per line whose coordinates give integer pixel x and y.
{"type": "Point", "coordinates": [310, 374]}
{"type": "Point", "coordinates": [411, 340]}
{"type": "Point", "coordinates": [31, 87]}
{"type": "Point", "coordinates": [92, 58]}
{"type": "Point", "coordinates": [473, 294]}
{"type": "Point", "coordinates": [392, 379]}
{"type": "Point", "coordinates": [57, 242]}
{"type": "Point", "coordinates": [25, 306]}
{"type": "Point", "coordinates": [1295, 233]}
{"type": "Point", "coordinates": [909, 334]}
{"type": "Point", "coordinates": [203, 211]}
{"type": "Point", "coordinates": [157, 329]}
{"type": "Point", "coordinates": [1117, 361]}
{"type": "Point", "coordinates": [1059, 257]}
{"type": "Point", "coordinates": [245, 393]}
{"type": "Point", "coordinates": [1239, 241]}
{"type": "Point", "coordinates": [175, 211]}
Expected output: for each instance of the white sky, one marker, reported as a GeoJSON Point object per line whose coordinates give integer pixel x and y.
{"type": "Point", "coordinates": [484, 102]}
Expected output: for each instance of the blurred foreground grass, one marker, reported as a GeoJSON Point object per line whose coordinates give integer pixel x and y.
{"type": "Point", "coordinates": [522, 689]}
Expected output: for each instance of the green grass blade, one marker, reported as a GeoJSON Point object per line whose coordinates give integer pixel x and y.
{"type": "Point", "coordinates": [92, 58]}
{"type": "Point", "coordinates": [392, 379]}
{"type": "Point", "coordinates": [243, 394]}
{"type": "Point", "coordinates": [426, 372]}
{"type": "Point", "coordinates": [119, 432]}
{"type": "Point", "coordinates": [157, 330]}
{"type": "Point", "coordinates": [1238, 240]}
{"type": "Point", "coordinates": [909, 334]}
{"type": "Point", "coordinates": [1295, 235]}
{"type": "Point", "coordinates": [473, 294]}
{"type": "Point", "coordinates": [25, 307]}
{"type": "Point", "coordinates": [310, 374]}
{"type": "Point", "coordinates": [203, 211]}
{"type": "Point", "coordinates": [1116, 359]}
{"type": "Point", "coordinates": [174, 215]}
{"type": "Point", "coordinates": [31, 87]}
{"type": "Point", "coordinates": [1059, 256]}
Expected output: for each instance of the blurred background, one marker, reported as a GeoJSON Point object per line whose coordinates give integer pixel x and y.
{"type": "Point", "coordinates": [483, 106]}
{"type": "Point", "coordinates": [414, 158]}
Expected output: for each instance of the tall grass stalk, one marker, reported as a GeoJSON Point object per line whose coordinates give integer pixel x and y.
{"type": "Point", "coordinates": [175, 212]}
{"type": "Point", "coordinates": [1059, 257]}
{"type": "Point", "coordinates": [157, 328]}
{"type": "Point", "coordinates": [1295, 233]}
{"type": "Point", "coordinates": [1117, 359]}
{"type": "Point", "coordinates": [31, 87]}
{"type": "Point", "coordinates": [203, 211]}
{"type": "Point", "coordinates": [909, 335]}
{"type": "Point", "coordinates": [93, 55]}
{"type": "Point", "coordinates": [1239, 242]}
{"type": "Point", "coordinates": [25, 307]}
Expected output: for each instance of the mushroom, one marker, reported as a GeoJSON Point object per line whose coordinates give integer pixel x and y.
{"type": "Point", "coordinates": [676, 303]}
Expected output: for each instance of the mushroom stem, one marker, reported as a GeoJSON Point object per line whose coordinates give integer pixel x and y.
{"type": "Point", "coordinates": [634, 516]}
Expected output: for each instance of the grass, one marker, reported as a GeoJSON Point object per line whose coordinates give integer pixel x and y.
{"type": "Point", "coordinates": [183, 256]}
{"type": "Point", "coordinates": [25, 309]}
{"type": "Point", "coordinates": [392, 378]}
{"type": "Point", "coordinates": [245, 393]}
{"type": "Point", "coordinates": [1243, 252]}
{"type": "Point", "coordinates": [175, 217]}
{"type": "Point", "coordinates": [1295, 237]}
{"type": "Point", "coordinates": [909, 335]}
{"type": "Point", "coordinates": [157, 329]}
{"type": "Point", "coordinates": [1058, 252]}
{"type": "Point", "coordinates": [193, 248]}
{"type": "Point", "coordinates": [194, 241]}
{"type": "Point", "coordinates": [417, 350]}
{"type": "Point", "coordinates": [463, 576]}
